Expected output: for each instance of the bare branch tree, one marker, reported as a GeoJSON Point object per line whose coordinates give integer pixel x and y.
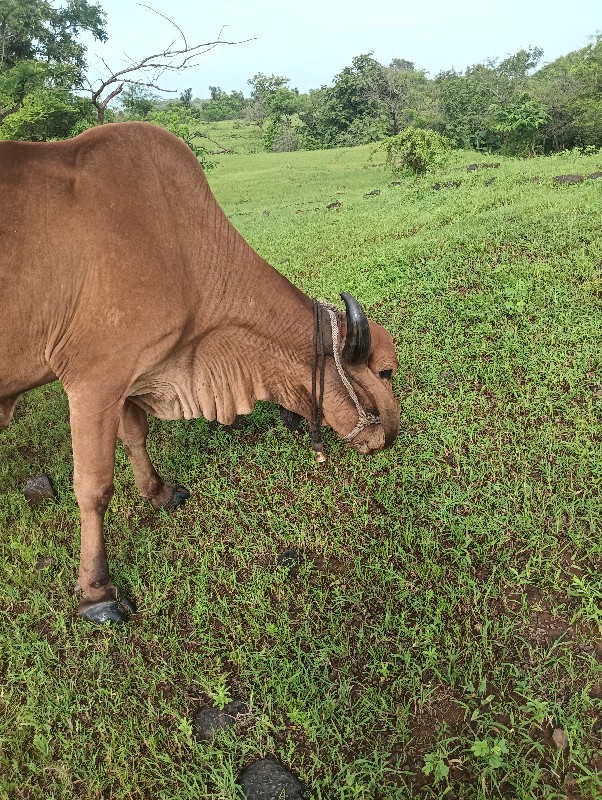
{"type": "Point", "coordinates": [148, 71]}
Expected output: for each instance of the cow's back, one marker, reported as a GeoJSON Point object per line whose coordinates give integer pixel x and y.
{"type": "Point", "coordinates": [94, 244]}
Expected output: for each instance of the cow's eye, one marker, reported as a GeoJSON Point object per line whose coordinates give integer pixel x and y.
{"type": "Point", "coordinates": [386, 374]}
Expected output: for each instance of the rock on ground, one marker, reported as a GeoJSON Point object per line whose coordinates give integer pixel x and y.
{"type": "Point", "coordinates": [210, 720]}
{"type": "Point", "coordinates": [268, 779]}
{"type": "Point", "coordinates": [38, 488]}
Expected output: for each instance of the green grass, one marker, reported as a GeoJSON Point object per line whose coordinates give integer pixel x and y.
{"type": "Point", "coordinates": [237, 136]}
{"type": "Point", "coordinates": [451, 621]}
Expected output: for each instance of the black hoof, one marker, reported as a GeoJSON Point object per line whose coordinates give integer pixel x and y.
{"type": "Point", "coordinates": [111, 611]}
{"type": "Point", "coordinates": [179, 497]}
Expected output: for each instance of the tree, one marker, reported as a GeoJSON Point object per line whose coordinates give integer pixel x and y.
{"type": "Point", "coordinates": [401, 65]}
{"type": "Point", "coordinates": [186, 98]}
{"type": "Point", "coordinates": [42, 62]}
{"type": "Point", "coordinates": [518, 121]}
{"type": "Point", "coordinates": [271, 98]}
{"type": "Point", "coordinates": [466, 98]}
{"type": "Point", "coordinates": [147, 71]}
{"type": "Point", "coordinates": [404, 95]}
{"type": "Point", "coordinates": [222, 105]}
{"type": "Point", "coordinates": [347, 112]}
{"type": "Point", "coordinates": [570, 89]}
{"type": "Point", "coordinates": [137, 102]}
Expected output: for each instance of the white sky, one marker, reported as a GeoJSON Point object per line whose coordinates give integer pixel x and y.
{"type": "Point", "coordinates": [311, 40]}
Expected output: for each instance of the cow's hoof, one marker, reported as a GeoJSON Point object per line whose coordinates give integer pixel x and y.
{"type": "Point", "coordinates": [179, 496]}
{"type": "Point", "coordinates": [111, 611]}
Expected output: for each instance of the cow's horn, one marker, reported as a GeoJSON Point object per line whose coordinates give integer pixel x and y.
{"type": "Point", "coordinates": [357, 341]}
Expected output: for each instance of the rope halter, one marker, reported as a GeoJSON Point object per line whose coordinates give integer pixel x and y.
{"type": "Point", "coordinates": [364, 419]}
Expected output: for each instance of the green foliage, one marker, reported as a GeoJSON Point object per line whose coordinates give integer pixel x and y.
{"type": "Point", "coordinates": [137, 102]}
{"type": "Point", "coordinates": [222, 106]}
{"type": "Point", "coordinates": [435, 764]}
{"type": "Point", "coordinates": [186, 98]}
{"type": "Point", "coordinates": [280, 135]}
{"type": "Point", "coordinates": [570, 90]}
{"type": "Point", "coordinates": [41, 61]}
{"type": "Point", "coordinates": [415, 150]}
{"type": "Point", "coordinates": [183, 122]}
{"type": "Point", "coordinates": [38, 30]}
{"type": "Point", "coordinates": [466, 99]}
{"type": "Point", "coordinates": [518, 121]}
{"type": "Point", "coordinates": [48, 114]}
{"type": "Point", "coordinates": [346, 113]}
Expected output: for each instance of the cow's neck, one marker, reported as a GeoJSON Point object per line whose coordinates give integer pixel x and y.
{"type": "Point", "coordinates": [256, 345]}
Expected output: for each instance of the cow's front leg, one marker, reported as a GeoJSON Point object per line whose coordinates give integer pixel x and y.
{"type": "Point", "coordinates": [94, 436]}
{"type": "Point", "coordinates": [133, 430]}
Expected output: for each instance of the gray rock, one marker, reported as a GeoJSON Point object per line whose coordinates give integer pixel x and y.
{"type": "Point", "coordinates": [210, 720]}
{"type": "Point", "coordinates": [568, 178]}
{"type": "Point", "coordinates": [268, 779]}
{"type": "Point", "coordinates": [38, 488]}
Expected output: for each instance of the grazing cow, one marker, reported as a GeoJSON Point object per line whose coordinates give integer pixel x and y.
{"type": "Point", "coordinates": [123, 279]}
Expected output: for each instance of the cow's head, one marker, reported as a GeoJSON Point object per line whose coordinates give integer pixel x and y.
{"type": "Point", "coordinates": [368, 361]}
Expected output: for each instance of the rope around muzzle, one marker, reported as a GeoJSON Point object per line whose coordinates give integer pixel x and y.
{"type": "Point", "coordinates": [364, 419]}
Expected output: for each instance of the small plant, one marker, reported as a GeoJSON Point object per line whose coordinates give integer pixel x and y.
{"type": "Point", "coordinates": [435, 764]}
{"type": "Point", "coordinates": [490, 754]}
{"type": "Point", "coordinates": [415, 150]}
{"type": "Point", "coordinates": [219, 693]}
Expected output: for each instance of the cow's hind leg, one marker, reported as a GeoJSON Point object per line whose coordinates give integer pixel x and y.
{"type": "Point", "coordinates": [133, 430]}
{"type": "Point", "coordinates": [94, 436]}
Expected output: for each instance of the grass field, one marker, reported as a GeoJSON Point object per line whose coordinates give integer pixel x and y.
{"type": "Point", "coordinates": [443, 638]}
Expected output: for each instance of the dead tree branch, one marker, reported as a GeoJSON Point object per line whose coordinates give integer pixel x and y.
{"type": "Point", "coordinates": [148, 71]}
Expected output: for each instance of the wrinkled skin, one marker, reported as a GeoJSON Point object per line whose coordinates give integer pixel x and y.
{"type": "Point", "coordinates": [122, 278]}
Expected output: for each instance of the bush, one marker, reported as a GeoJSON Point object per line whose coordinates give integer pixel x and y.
{"type": "Point", "coordinates": [183, 123]}
{"type": "Point", "coordinates": [415, 150]}
{"type": "Point", "coordinates": [280, 136]}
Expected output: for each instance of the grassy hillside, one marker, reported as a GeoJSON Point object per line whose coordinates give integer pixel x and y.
{"type": "Point", "coordinates": [443, 638]}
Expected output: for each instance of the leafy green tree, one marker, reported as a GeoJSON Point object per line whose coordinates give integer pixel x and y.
{"type": "Point", "coordinates": [137, 102]}
{"type": "Point", "coordinates": [48, 113]}
{"type": "Point", "coordinates": [271, 99]}
{"type": "Point", "coordinates": [570, 89]}
{"type": "Point", "coordinates": [466, 99]}
{"type": "Point", "coordinates": [186, 98]}
{"type": "Point", "coordinates": [348, 112]}
{"type": "Point", "coordinates": [405, 97]}
{"type": "Point", "coordinates": [222, 105]}
{"type": "Point", "coordinates": [42, 61]}
{"type": "Point", "coordinates": [518, 121]}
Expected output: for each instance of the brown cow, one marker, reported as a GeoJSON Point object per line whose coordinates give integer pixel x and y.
{"type": "Point", "coordinates": [122, 278]}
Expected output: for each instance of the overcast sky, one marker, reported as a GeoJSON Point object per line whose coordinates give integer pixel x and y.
{"type": "Point", "coordinates": [311, 40]}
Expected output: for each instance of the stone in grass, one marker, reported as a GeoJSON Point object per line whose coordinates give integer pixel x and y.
{"type": "Point", "coordinates": [268, 779]}
{"type": "Point", "coordinates": [560, 739]}
{"type": "Point", "coordinates": [291, 560]}
{"type": "Point", "coordinates": [210, 720]}
{"type": "Point", "coordinates": [38, 488]}
{"type": "Point", "coordinates": [568, 178]}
